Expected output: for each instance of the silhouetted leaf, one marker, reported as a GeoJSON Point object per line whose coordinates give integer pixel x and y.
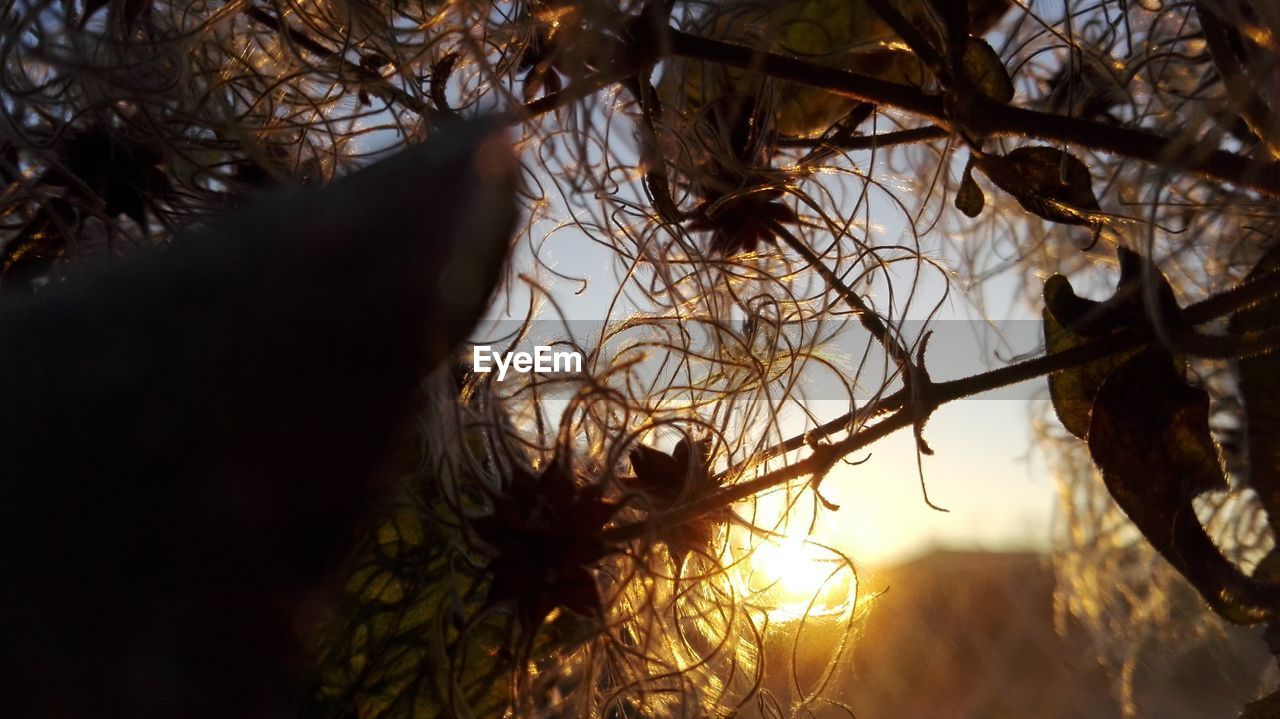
{"type": "Point", "coordinates": [984, 68]}
{"type": "Point", "coordinates": [1152, 436]}
{"type": "Point", "coordinates": [1087, 88]}
{"type": "Point", "coordinates": [844, 34]}
{"type": "Point", "coordinates": [1046, 181]}
{"type": "Point", "coordinates": [1260, 390]}
{"type": "Point", "coordinates": [1149, 435]}
{"type": "Point", "coordinates": [969, 198]}
{"type": "Point", "coordinates": [1144, 294]}
{"type": "Point", "coordinates": [1069, 321]}
{"type": "Point", "coordinates": [1148, 431]}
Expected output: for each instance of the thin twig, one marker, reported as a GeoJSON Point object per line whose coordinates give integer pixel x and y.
{"type": "Point", "coordinates": [987, 116]}
{"type": "Point", "coordinates": [904, 415]}
{"type": "Point", "coordinates": [363, 74]}
{"type": "Point", "coordinates": [871, 142]}
{"type": "Point", "coordinates": [869, 318]}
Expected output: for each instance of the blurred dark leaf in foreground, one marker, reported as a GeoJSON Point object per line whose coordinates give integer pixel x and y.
{"type": "Point", "coordinates": [190, 437]}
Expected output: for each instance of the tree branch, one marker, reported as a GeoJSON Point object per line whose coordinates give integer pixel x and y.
{"type": "Point", "coordinates": [870, 320]}
{"type": "Point", "coordinates": [839, 82]}
{"type": "Point", "coordinates": [871, 142]}
{"type": "Point", "coordinates": [319, 49]}
{"type": "Point", "coordinates": [940, 393]}
{"type": "Point", "coordinates": [984, 115]}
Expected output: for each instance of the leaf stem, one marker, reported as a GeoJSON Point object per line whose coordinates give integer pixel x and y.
{"type": "Point", "coordinates": [869, 318]}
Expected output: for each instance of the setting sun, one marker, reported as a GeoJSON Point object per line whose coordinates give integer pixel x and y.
{"type": "Point", "coordinates": [796, 577]}
{"type": "Point", "coordinates": [787, 572]}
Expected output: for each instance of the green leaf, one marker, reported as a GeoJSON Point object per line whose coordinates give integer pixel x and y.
{"type": "Point", "coordinates": [984, 68]}
{"type": "Point", "coordinates": [1046, 181]}
{"type": "Point", "coordinates": [1149, 435]}
{"type": "Point", "coordinates": [1260, 389]}
{"type": "Point", "coordinates": [969, 198]}
{"type": "Point", "coordinates": [405, 644]}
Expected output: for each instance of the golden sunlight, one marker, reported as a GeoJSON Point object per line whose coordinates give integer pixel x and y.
{"type": "Point", "coordinates": [799, 577]}
{"type": "Point", "coordinates": [787, 573]}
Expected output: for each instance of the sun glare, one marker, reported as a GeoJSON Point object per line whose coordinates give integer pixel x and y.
{"type": "Point", "coordinates": [792, 576]}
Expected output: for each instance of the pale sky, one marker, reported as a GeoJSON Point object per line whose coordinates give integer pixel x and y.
{"type": "Point", "coordinates": [982, 470]}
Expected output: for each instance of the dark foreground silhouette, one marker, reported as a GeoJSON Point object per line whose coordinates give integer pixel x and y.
{"type": "Point", "coordinates": [188, 438]}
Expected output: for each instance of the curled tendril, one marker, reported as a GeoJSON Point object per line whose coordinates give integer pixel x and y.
{"type": "Point", "coordinates": [124, 120]}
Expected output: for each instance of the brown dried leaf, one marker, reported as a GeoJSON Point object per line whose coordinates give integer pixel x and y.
{"type": "Point", "coordinates": [1073, 390]}
{"type": "Point", "coordinates": [1149, 435]}
{"type": "Point", "coordinates": [969, 198]}
{"type": "Point", "coordinates": [1046, 181]}
{"type": "Point", "coordinates": [984, 68]}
